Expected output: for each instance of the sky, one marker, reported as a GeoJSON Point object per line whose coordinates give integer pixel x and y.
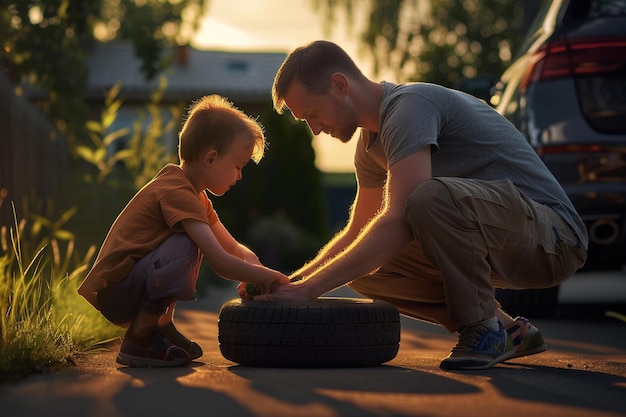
{"type": "Point", "coordinates": [278, 25]}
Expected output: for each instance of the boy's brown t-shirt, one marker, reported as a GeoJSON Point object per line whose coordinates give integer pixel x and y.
{"type": "Point", "coordinates": [151, 216]}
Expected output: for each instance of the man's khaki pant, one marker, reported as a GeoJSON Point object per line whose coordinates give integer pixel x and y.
{"type": "Point", "coordinates": [472, 236]}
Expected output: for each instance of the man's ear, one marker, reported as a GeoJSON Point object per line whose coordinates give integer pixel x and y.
{"type": "Point", "coordinates": [209, 156]}
{"type": "Point", "coordinates": [339, 84]}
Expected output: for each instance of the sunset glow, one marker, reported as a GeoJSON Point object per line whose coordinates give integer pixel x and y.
{"type": "Point", "coordinates": [276, 25]}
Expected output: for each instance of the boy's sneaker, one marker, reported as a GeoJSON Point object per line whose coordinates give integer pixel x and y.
{"type": "Point", "coordinates": [479, 347]}
{"type": "Point", "coordinates": [171, 332]}
{"type": "Point", "coordinates": [526, 338]}
{"type": "Point", "coordinates": [151, 350]}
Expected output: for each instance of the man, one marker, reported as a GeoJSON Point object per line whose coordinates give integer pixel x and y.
{"type": "Point", "coordinates": [452, 201]}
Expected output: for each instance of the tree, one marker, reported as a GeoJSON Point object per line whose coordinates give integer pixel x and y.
{"type": "Point", "coordinates": [43, 44]}
{"type": "Point", "coordinates": [441, 41]}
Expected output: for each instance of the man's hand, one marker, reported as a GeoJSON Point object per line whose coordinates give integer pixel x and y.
{"type": "Point", "coordinates": [277, 292]}
{"type": "Point", "coordinates": [295, 292]}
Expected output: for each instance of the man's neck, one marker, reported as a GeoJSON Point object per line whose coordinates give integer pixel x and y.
{"type": "Point", "coordinates": [370, 99]}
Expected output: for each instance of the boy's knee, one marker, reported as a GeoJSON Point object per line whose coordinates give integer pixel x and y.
{"type": "Point", "coordinates": [182, 241]}
{"type": "Point", "coordinates": [177, 246]}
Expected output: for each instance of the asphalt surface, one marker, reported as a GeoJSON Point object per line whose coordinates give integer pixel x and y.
{"type": "Point", "coordinates": [583, 374]}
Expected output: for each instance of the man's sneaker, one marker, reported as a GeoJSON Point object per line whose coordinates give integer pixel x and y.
{"type": "Point", "coordinates": [171, 332]}
{"type": "Point", "coordinates": [526, 338]}
{"type": "Point", "coordinates": [479, 347]}
{"type": "Point", "coordinates": [151, 350]}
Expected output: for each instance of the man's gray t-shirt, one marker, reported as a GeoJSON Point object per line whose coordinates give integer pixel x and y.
{"type": "Point", "coordinates": [469, 139]}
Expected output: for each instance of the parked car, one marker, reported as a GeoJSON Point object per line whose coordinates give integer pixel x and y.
{"type": "Point", "coordinates": [566, 92]}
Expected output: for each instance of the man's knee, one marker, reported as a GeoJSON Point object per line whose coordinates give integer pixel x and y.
{"type": "Point", "coordinates": [427, 200]}
{"type": "Point", "coordinates": [358, 285]}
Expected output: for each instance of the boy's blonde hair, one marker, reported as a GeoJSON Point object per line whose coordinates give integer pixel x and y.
{"type": "Point", "coordinates": [212, 123]}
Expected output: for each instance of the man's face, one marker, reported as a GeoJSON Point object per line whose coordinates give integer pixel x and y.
{"type": "Point", "coordinates": [329, 112]}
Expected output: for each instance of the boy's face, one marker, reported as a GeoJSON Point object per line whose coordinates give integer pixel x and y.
{"type": "Point", "coordinates": [223, 170]}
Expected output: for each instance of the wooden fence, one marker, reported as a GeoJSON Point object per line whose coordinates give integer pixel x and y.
{"type": "Point", "coordinates": [33, 156]}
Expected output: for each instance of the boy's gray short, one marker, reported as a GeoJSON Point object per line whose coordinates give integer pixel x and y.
{"type": "Point", "coordinates": [167, 274]}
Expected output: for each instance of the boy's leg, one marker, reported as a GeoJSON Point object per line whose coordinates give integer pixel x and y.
{"type": "Point", "coordinates": [144, 345]}
{"type": "Point", "coordinates": [167, 274]}
{"type": "Point", "coordinates": [167, 329]}
{"type": "Point", "coordinates": [168, 316]}
{"type": "Point", "coordinates": [171, 272]}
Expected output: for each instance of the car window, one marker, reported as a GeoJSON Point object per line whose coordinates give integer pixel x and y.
{"type": "Point", "coordinates": [607, 8]}
{"type": "Point", "coordinates": [597, 8]}
{"type": "Point", "coordinates": [534, 30]}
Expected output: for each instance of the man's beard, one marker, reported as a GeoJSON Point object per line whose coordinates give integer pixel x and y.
{"type": "Point", "coordinates": [346, 117]}
{"type": "Point", "coordinates": [345, 134]}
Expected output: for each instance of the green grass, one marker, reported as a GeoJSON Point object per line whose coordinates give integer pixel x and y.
{"type": "Point", "coordinates": [44, 323]}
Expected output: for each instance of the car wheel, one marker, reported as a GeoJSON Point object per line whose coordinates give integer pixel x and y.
{"type": "Point", "coordinates": [535, 303]}
{"type": "Point", "coordinates": [325, 333]}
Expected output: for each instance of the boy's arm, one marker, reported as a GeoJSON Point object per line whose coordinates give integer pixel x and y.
{"type": "Point", "coordinates": [232, 246]}
{"type": "Point", "coordinates": [367, 203]}
{"type": "Point", "coordinates": [224, 263]}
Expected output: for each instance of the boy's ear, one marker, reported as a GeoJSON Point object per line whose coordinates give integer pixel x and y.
{"type": "Point", "coordinates": [209, 156]}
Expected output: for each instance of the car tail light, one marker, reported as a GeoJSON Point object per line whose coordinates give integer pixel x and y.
{"type": "Point", "coordinates": [581, 57]}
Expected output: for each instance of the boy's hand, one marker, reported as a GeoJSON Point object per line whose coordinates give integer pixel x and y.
{"type": "Point", "coordinates": [253, 289]}
{"type": "Point", "coordinates": [249, 290]}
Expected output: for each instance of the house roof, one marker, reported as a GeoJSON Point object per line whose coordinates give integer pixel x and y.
{"type": "Point", "coordinates": [239, 76]}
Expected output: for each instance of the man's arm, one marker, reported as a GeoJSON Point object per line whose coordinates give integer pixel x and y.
{"type": "Point", "coordinates": [377, 243]}
{"type": "Point", "coordinates": [367, 203]}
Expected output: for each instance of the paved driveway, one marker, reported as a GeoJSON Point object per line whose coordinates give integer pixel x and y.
{"type": "Point", "coordinates": [583, 374]}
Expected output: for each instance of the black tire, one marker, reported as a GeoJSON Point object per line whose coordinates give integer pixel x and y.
{"type": "Point", "coordinates": [326, 333]}
{"type": "Point", "coordinates": [534, 303]}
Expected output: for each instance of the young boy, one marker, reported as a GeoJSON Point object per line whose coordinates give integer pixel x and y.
{"type": "Point", "coordinates": [151, 255]}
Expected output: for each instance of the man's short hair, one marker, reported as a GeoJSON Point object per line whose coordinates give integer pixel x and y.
{"type": "Point", "coordinates": [312, 64]}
